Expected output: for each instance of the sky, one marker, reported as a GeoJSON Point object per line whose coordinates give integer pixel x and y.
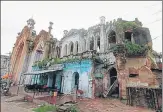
{"type": "Point", "coordinates": [67, 15]}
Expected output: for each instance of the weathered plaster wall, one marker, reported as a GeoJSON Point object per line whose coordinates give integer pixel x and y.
{"type": "Point", "coordinates": [135, 66]}
{"type": "Point", "coordinates": [84, 69]}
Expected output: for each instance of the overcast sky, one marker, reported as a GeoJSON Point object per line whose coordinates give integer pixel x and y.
{"type": "Point", "coordinates": [74, 14]}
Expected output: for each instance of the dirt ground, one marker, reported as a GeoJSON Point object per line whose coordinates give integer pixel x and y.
{"type": "Point", "coordinates": [108, 105]}
{"type": "Point", "coordinates": [15, 106]}
{"type": "Point", "coordinates": [85, 105]}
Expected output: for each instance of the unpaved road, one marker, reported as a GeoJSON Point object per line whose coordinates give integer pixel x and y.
{"type": "Point", "coordinates": [108, 105]}
{"type": "Point", "coordinates": [15, 106]}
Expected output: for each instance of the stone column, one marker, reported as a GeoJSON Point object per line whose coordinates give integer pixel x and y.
{"type": "Point", "coordinates": [95, 43]}
{"type": "Point", "coordinates": [102, 34]}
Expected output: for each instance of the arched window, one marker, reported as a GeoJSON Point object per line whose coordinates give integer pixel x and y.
{"type": "Point", "coordinates": [76, 47]}
{"type": "Point", "coordinates": [98, 42]}
{"type": "Point", "coordinates": [112, 37]}
{"type": "Point", "coordinates": [91, 43]}
{"type": "Point", "coordinates": [58, 51]}
{"type": "Point", "coordinates": [71, 47]}
{"type": "Point", "coordinates": [71, 50]}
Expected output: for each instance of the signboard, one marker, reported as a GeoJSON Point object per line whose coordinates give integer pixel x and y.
{"type": "Point", "coordinates": [56, 67]}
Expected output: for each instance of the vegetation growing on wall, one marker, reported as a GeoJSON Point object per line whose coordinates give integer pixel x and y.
{"type": "Point", "coordinates": [42, 64]}
{"type": "Point", "coordinates": [130, 49]}
{"type": "Point", "coordinates": [128, 25]}
{"type": "Point", "coordinates": [135, 49]}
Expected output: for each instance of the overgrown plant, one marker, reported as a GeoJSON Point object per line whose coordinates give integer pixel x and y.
{"type": "Point", "coordinates": [130, 49]}
{"type": "Point", "coordinates": [74, 109]}
{"type": "Point", "coordinates": [128, 25]}
{"type": "Point", "coordinates": [135, 49]}
{"type": "Point", "coordinates": [46, 108]}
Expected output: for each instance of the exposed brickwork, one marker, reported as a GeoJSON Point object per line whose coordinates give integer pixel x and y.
{"type": "Point", "coordinates": [140, 66]}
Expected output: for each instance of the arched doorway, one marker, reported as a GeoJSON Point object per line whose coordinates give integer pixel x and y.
{"type": "Point", "coordinates": [113, 78]}
{"type": "Point", "coordinates": [75, 80]}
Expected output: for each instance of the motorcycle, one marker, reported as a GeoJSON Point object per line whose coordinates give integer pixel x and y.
{"type": "Point", "coordinates": [4, 88]}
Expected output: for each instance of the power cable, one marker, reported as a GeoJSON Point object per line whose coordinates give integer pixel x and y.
{"type": "Point", "coordinates": [142, 8]}
{"type": "Point", "coordinates": [157, 12]}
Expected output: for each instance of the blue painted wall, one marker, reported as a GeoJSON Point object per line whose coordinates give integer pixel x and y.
{"type": "Point", "coordinates": [84, 69]}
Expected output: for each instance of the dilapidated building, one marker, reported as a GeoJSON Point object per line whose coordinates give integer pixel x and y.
{"type": "Point", "coordinates": [30, 48]}
{"type": "Point", "coordinates": [104, 60]}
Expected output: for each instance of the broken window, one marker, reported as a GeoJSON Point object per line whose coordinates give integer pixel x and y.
{"type": "Point", "coordinates": [33, 33]}
{"type": "Point", "coordinates": [112, 37]}
{"type": "Point", "coordinates": [71, 49]}
{"type": "Point", "coordinates": [128, 36]}
{"type": "Point", "coordinates": [77, 47]}
{"type": "Point", "coordinates": [133, 75]}
{"type": "Point", "coordinates": [98, 42]}
{"type": "Point", "coordinates": [91, 43]}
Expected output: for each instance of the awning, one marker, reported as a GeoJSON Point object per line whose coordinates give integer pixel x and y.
{"type": "Point", "coordinates": [40, 72]}
{"type": "Point", "coordinates": [53, 68]}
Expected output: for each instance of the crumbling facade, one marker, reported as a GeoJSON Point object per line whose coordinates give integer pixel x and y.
{"type": "Point", "coordinates": [101, 61]}
{"type": "Point", "coordinates": [30, 48]}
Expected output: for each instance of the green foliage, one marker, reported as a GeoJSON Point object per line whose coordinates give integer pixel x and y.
{"type": "Point", "coordinates": [128, 25]}
{"type": "Point", "coordinates": [74, 109]}
{"type": "Point", "coordinates": [42, 63]}
{"type": "Point", "coordinates": [130, 49]}
{"type": "Point", "coordinates": [135, 49]}
{"type": "Point", "coordinates": [119, 48]}
{"type": "Point", "coordinates": [46, 108]}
